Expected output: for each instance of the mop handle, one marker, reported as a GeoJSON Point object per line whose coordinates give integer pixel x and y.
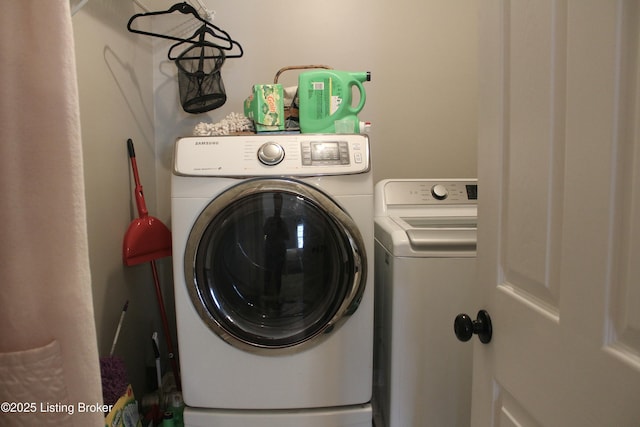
{"type": "Point", "coordinates": [115, 338]}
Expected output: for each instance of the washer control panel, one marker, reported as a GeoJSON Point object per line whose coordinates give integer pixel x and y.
{"type": "Point", "coordinates": [430, 192]}
{"type": "Point", "coordinates": [325, 153]}
{"type": "Point", "coordinates": [263, 154]}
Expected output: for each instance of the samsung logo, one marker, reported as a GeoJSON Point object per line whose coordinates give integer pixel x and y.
{"type": "Point", "coordinates": [206, 142]}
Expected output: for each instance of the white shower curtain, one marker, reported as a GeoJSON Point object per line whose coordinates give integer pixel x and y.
{"type": "Point", "coordinates": [49, 371]}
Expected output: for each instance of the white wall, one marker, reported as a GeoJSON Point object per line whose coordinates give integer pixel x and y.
{"type": "Point", "coordinates": [422, 55]}
{"type": "Point", "coordinates": [421, 100]}
{"type": "Point", "coordinates": [116, 103]}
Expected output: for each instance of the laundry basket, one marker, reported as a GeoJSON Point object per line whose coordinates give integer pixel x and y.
{"type": "Point", "coordinates": [199, 79]}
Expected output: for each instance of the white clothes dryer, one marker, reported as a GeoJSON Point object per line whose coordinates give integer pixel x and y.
{"type": "Point", "coordinates": [273, 284]}
{"type": "Point", "coordinates": [425, 260]}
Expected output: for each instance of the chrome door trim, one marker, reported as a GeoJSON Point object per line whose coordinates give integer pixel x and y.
{"type": "Point", "coordinates": [341, 219]}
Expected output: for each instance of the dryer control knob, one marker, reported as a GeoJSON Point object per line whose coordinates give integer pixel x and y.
{"type": "Point", "coordinates": [271, 153]}
{"type": "Point", "coordinates": [439, 191]}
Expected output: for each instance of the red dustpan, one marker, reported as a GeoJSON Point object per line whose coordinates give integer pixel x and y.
{"type": "Point", "coordinates": [146, 240]}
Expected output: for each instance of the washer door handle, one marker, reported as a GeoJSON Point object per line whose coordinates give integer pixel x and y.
{"type": "Point", "coordinates": [464, 327]}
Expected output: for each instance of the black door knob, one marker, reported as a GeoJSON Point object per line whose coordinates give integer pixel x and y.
{"type": "Point", "coordinates": [465, 327]}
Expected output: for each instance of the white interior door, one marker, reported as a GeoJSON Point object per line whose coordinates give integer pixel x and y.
{"type": "Point", "coordinates": [559, 214]}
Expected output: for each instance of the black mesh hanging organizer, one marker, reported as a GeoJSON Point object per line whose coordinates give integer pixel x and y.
{"type": "Point", "coordinates": [199, 79]}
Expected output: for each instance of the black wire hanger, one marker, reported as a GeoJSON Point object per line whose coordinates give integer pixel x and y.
{"type": "Point", "coordinates": [186, 9]}
{"type": "Point", "coordinates": [201, 34]}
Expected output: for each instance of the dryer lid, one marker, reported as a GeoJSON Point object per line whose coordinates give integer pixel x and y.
{"type": "Point", "coordinates": [449, 234]}
{"type": "Point", "coordinates": [427, 217]}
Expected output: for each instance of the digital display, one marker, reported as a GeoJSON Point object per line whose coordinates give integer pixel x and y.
{"type": "Point", "coordinates": [324, 151]}
{"type": "Point", "coordinates": [472, 192]}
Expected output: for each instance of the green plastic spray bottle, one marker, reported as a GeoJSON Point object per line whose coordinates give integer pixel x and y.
{"type": "Point", "coordinates": [325, 101]}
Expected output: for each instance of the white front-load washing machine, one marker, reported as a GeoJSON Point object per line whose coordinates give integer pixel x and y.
{"type": "Point", "coordinates": [425, 263]}
{"type": "Point", "coordinates": [273, 282]}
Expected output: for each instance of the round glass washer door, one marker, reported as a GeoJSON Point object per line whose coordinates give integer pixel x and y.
{"type": "Point", "coordinates": [274, 264]}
